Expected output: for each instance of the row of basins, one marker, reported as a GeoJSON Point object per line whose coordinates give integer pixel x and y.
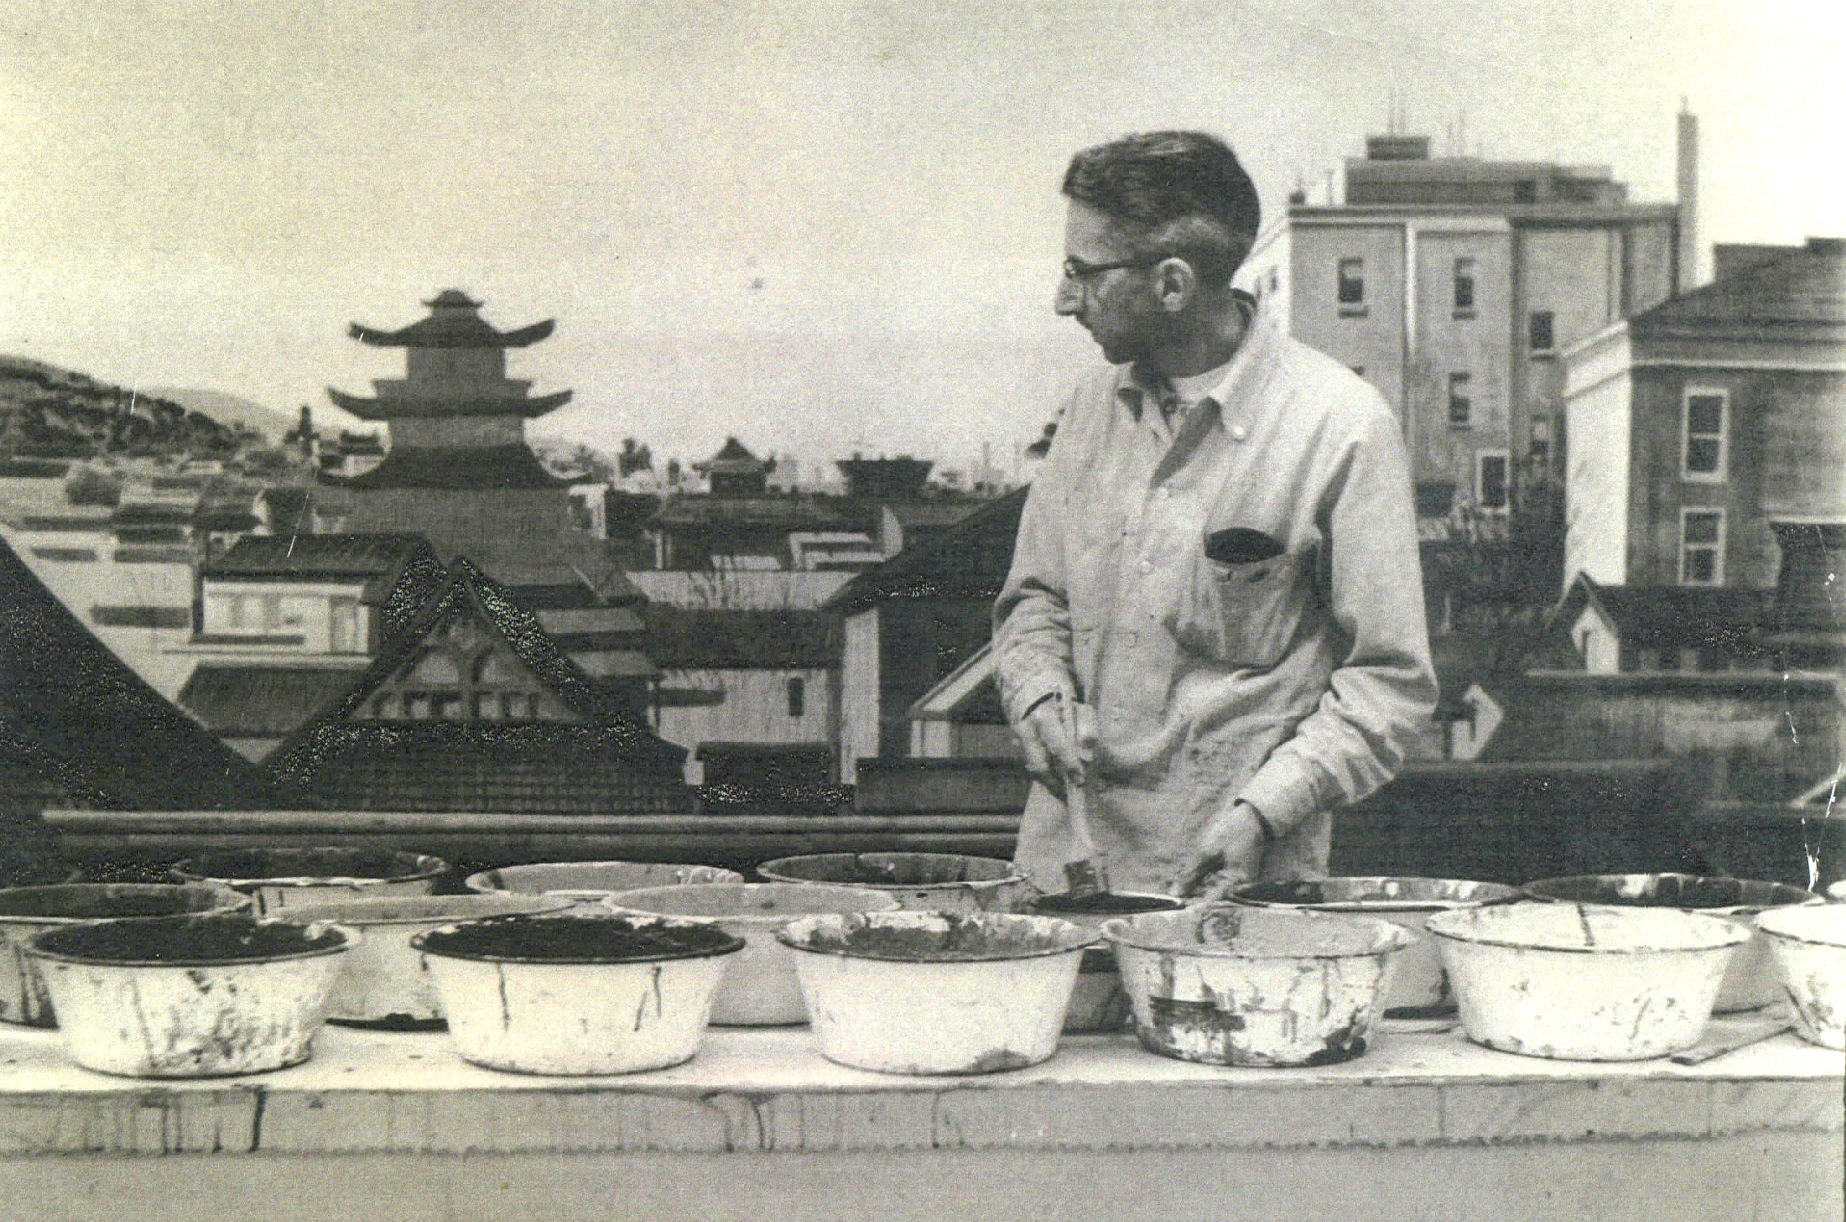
{"type": "Point", "coordinates": [906, 963]}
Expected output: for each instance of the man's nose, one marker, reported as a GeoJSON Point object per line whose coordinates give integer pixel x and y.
{"type": "Point", "coordinates": [1069, 297]}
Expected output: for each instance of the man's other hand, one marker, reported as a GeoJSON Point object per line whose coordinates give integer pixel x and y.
{"type": "Point", "coordinates": [1052, 738]}
{"type": "Point", "coordinates": [1230, 852]}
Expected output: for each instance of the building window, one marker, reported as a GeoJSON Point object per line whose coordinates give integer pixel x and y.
{"type": "Point", "coordinates": [1701, 547]}
{"type": "Point", "coordinates": [1540, 332]}
{"type": "Point", "coordinates": [1464, 288]}
{"type": "Point", "coordinates": [1540, 453]}
{"type": "Point", "coordinates": [1707, 416]}
{"type": "Point", "coordinates": [1490, 480]}
{"type": "Point", "coordinates": [797, 697]}
{"type": "Point", "coordinates": [1352, 287]}
{"type": "Point", "coordinates": [1461, 406]}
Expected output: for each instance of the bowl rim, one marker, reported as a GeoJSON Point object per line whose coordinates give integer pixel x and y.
{"type": "Point", "coordinates": [348, 939]}
{"type": "Point", "coordinates": [1079, 937]}
{"type": "Point", "coordinates": [340, 911]}
{"type": "Point", "coordinates": [731, 944]}
{"type": "Point", "coordinates": [771, 871]}
{"type": "Point", "coordinates": [873, 895]}
{"type": "Point", "coordinates": [478, 881]}
{"type": "Point", "coordinates": [1239, 895]}
{"type": "Point", "coordinates": [1737, 934]}
{"type": "Point", "coordinates": [233, 901]}
{"type": "Point", "coordinates": [1534, 890]}
{"type": "Point", "coordinates": [1392, 936]}
{"type": "Point", "coordinates": [426, 866]}
{"type": "Point", "coordinates": [1768, 922]}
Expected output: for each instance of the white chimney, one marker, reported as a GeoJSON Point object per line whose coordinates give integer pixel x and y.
{"type": "Point", "coordinates": [1688, 164]}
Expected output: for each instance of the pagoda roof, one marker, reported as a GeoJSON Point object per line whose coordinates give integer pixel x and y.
{"type": "Point", "coordinates": [461, 467]}
{"type": "Point", "coordinates": [398, 408]}
{"type": "Point", "coordinates": [452, 323]}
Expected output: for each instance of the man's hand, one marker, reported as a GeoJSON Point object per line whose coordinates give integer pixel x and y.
{"type": "Point", "coordinates": [1230, 852]}
{"type": "Point", "coordinates": [1056, 741]}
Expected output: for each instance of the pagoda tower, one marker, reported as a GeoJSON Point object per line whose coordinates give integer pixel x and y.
{"type": "Point", "coordinates": [460, 474]}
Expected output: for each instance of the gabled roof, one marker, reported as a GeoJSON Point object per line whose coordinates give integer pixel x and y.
{"type": "Point", "coordinates": [1805, 285]}
{"type": "Point", "coordinates": [457, 765]}
{"type": "Point", "coordinates": [968, 560]}
{"type": "Point", "coordinates": [74, 714]}
{"type": "Point", "coordinates": [726, 639]}
{"type": "Point", "coordinates": [1709, 617]}
{"type": "Point", "coordinates": [967, 695]}
{"type": "Point", "coordinates": [238, 700]}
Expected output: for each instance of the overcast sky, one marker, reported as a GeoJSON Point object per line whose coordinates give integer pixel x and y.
{"type": "Point", "coordinates": [820, 226]}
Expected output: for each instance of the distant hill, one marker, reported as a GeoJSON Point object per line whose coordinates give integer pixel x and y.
{"type": "Point", "coordinates": [229, 409]}
{"type": "Point", "coordinates": [48, 412]}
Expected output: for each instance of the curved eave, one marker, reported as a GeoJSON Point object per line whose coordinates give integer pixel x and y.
{"type": "Point", "coordinates": [423, 335]}
{"type": "Point", "coordinates": [400, 409]}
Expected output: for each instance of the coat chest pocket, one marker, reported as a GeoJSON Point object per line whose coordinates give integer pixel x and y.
{"type": "Point", "coordinates": [1244, 614]}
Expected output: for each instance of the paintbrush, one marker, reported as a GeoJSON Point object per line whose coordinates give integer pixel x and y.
{"type": "Point", "coordinates": [1085, 876]}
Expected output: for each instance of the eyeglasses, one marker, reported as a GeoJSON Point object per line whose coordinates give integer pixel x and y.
{"type": "Point", "coordinates": [1076, 269]}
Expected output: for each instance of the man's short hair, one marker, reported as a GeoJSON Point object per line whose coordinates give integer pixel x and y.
{"type": "Point", "coordinates": [1179, 193]}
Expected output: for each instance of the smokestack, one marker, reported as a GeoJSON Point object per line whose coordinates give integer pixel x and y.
{"type": "Point", "coordinates": [1688, 198]}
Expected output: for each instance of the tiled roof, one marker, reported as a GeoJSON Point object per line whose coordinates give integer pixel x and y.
{"type": "Point", "coordinates": [968, 560]}
{"type": "Point", "coordinates": [723, 639]}
{"type": "Point", "coordinates": [514, 769]}
{"type": "Point", "coordinates": [784, 512]}
{"type": "Point", "coordinates": [307, 556]}
{"type": "Point", "coordinates": [1807, 284]}
{"type": "Point", "coordinates": [452, 323]}
{"type": "Point", "coordinates": [236, 700]}
{"type": "Point", "coordinates": [82, 720]}
{"type": "Point", "coordinates": [506, 466]}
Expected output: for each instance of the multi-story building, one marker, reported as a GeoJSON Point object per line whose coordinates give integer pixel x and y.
{"type": "Point", "coordinates": [1452, 284]}
{"type": "Point", "coordinates": [1708, 440]}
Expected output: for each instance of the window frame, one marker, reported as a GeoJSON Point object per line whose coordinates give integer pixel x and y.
{"type": "Point", "coordinates": [1464, 380]}
{"type": "Point", "coordinates": [1481, 458]}
{"type": "Point", "coordinates": [797, 691]}
{"type": "Point", "coordinates": [1353, 307]}
{"type": "Point", "coordinates": [1551, 329]}
{"type": "Point", "coordinates": [1716, 547]}
{"type": "Point", "coordinates": [1464, 274]}
{"type": "Point", "coordinates": [1721, 473]}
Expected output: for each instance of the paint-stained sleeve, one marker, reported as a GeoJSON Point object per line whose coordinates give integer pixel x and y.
{"type": "Point", "coordinates": [1032, 636]}
{"type": "Point", "coordinates": [1383, 692]}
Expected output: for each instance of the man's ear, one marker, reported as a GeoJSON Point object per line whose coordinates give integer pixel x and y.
{"type": "Point", "coordinates": [1175, 283]}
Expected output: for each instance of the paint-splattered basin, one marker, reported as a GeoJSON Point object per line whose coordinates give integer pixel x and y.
{"type": "Point", "coordinates": [1750, 980]}
{"type": "Point", "coordinates": [1808, 947]}
{"type": "Point", "coordinates": [936, 992]}
{"type": "Point", "coordinates": [595, 994]}
{"type": "Point", "coordinates": [26, 911]}
{"type": "Point", "coordinates": [385, 983]}
{"type": "Point", "coordinates": [590, 883]}
{"type": "Point", "coordinates": [1099, 1002]}
{"type": "Point", "coordinates": [190, 996]}
{"type": "Point", "coordinates": [931, 882]}
{"type": "Point", "coordinates": [1229, 985]}
{"type": "Point", "coordinates": [280, 879]}
{"type": "Point", "coordinates": [1585, 982]}
{"type": "Point", "coordinates": [1419, 987]}
{"type": "Point", "coordinates": [760, 988]}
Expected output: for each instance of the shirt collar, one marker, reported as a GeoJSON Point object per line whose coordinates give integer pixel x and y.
{"type": "Point", "coordinates": [1136, 386]}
